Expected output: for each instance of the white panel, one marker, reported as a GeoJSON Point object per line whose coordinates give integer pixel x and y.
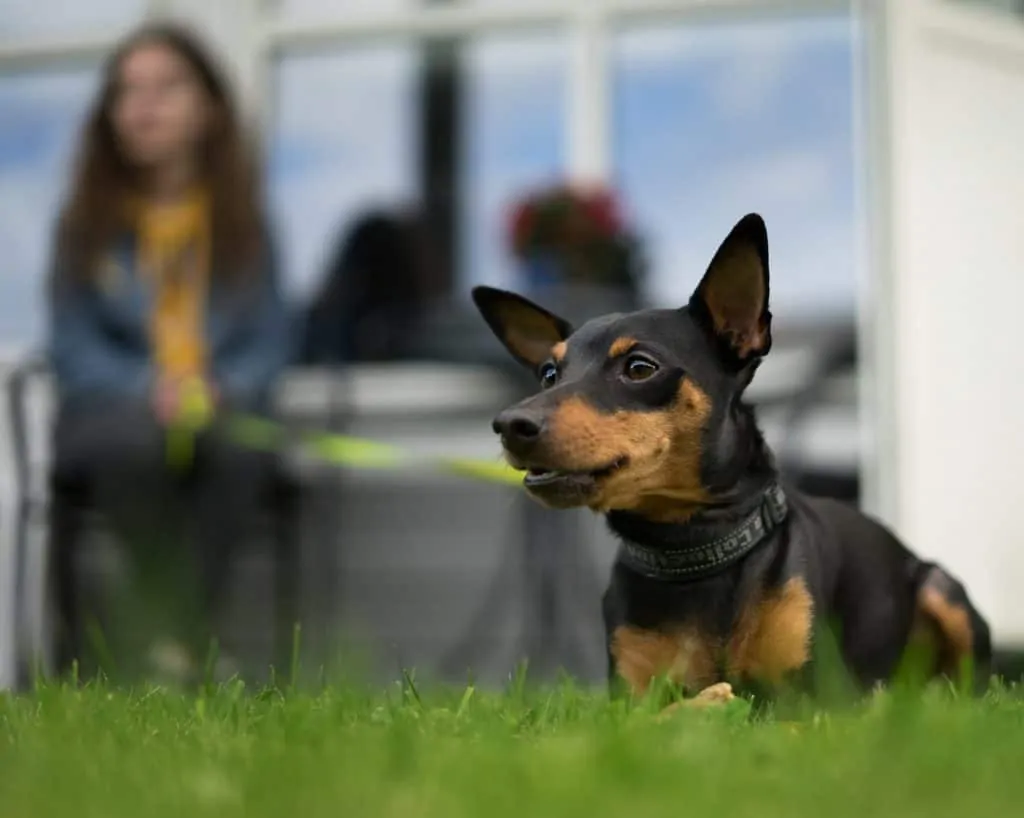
{"type": "Point", "coordinates": [304, 9]}
{"type": "Point", "coordinates": [589, 101]}
{"type": "Point", "coordinates": [958, 270]}
{"type": "Point", "coordinates": [1010, 6]}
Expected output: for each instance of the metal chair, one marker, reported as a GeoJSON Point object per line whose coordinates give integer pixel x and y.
{"type": "Point", "coordinates": [53, 513]}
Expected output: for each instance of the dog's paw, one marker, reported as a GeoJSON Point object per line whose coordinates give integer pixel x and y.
{"type": "Point", "coordinates": [710, 696]}
{"type": "Point", "coordinates": [715, 694]}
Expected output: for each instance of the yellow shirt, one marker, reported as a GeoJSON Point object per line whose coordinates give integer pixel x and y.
{"type": "Point", "coordinates": [174, 244]}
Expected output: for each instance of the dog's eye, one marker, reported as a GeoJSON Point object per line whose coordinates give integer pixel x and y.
{"type": "Point", "coordinates": [639, 368]}
{"type": "Point", "coordinates": [548, 375]}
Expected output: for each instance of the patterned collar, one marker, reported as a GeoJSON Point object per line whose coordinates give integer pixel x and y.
{"type": "Point", "coordinates": [709, 547]}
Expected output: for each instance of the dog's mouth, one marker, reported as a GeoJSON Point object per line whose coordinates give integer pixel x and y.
{"type": "Point", "coordinates": [541, 477]}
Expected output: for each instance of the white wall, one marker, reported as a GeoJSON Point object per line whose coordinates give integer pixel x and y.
{"type": "Point", "coordinates": [955, 277]}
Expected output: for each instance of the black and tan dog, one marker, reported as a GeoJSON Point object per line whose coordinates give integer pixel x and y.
{"type": "Point", "coordinates": [724, 577]}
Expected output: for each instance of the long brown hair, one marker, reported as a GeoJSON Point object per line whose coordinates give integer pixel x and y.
{"type": "Point", "coordinates": [94, 213]}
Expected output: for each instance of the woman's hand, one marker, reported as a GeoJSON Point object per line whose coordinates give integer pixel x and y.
{"type": "Point", "coordinates": [166, 400]}
{"type": "Point", "coordinates": [192, 402]}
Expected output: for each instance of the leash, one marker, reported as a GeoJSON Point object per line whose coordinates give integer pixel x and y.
{"type": "Point", "coordinates": [359, 453]}
{"type": "Point", "coordinates": [340, 451]}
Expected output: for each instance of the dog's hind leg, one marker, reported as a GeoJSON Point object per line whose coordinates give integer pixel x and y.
{"type": "Point", "coordinates": [963, 635]}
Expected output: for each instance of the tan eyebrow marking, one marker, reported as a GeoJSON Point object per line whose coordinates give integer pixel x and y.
{"type": "Point", "coordinates": [620, 346]}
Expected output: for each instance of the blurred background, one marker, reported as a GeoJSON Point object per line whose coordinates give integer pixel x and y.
{"type": "Point", "coordinates": [879, 140]}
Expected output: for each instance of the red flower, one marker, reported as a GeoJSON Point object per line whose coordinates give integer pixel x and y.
{"type": "Point", "coordinates": [603, 212]}
{"type": "Point", "coordinates": [564, 219]}
{"type": "Point", "coordinates": [522, 225]}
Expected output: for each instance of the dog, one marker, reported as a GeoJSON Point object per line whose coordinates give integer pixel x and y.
{"type": "Point", "coordinates": [726, 579]}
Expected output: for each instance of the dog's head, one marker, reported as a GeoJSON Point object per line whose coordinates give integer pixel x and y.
{"type": "Point", "coordinates": [642, 411]}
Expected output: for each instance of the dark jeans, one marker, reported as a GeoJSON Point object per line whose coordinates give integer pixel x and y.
{"type": "Point", "coordinates": [180, 525]}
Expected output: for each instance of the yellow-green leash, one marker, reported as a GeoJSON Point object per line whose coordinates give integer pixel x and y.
{"type": "Point", "coordinates": [359, 453]}
{"type": "Point", "coordinates": [259, 433]}
{"type": "Point", "coordinates": [194, 415]}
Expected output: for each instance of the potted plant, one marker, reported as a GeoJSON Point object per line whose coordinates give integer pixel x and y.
{"type": "Point", "coordinates": [566, 236]}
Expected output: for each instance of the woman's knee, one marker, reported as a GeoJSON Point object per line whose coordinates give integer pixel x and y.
{"type": "Point", "coordinates": [122, 440]}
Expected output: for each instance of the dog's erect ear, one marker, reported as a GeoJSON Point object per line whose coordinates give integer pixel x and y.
{"type": "Point", "coordinates": [527, 331]}
{"type": "Point", "coordinates": [732, 298]}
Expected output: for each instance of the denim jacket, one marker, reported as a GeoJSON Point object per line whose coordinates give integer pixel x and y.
{"type": "Point", "coordinates": [99, 343]}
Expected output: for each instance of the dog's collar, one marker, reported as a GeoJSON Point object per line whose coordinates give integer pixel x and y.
{"type": "Point", "coordinates": [709, 546]}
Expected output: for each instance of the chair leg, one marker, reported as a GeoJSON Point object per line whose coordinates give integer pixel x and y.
{"type": "Point", "coordinates": [63, 582]}
{"type": "Point", "coordinates": [34, 596]}
{"type": "Point", "coordinates": [287, 566]}
{"type": "Point", "coordinates": [26, 670]}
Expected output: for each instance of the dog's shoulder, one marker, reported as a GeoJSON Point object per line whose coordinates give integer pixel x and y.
{"type": "Point", "coordinates": [855, 557]}
{"type": "Point", "coordinates": [835, 524]}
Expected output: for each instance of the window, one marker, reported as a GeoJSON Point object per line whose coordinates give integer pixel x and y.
{"type": "Point", "coordinates": [41, 109]}
{"type": "Point", "coordinates": [715, 120]}
{"type": "Point", "coordinates": [344, 139]}
{"type": "Point", "coordinates": [21, 19]}
{"type": "Point", "coordinates": [41, 114]}
{"type": "Point", "coordinates": [710, 120]}
{"type": "Point", "coordinates": [514, 133]}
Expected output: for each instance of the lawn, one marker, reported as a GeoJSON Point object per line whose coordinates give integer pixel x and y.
{"type": "Point", "coordinates": [407, 752]}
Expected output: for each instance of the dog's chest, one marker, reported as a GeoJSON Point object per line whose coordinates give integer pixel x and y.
{"type": "Point", "coordinates": [770, 638]}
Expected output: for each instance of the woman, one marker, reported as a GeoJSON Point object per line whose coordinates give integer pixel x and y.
{"type": "Point", "coordinates": [163, 291]}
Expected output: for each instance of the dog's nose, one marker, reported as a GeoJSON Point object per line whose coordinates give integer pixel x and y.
{"type": "Point", "coordinates": [517, 427]}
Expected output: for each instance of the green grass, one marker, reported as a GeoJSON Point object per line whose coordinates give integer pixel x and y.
{"type": "Point", "coordinates": [403, 752]}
